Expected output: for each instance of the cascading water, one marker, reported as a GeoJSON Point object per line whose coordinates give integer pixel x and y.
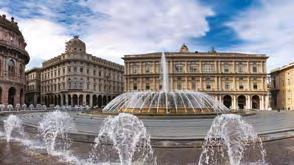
{"type": "Point", "coordinates": [13, 123]}
{"type": "Point", "coordinates": [164, 73]}
{"type": "Point", "coordinates": [56, 124]}
{"type": "Point", "coordinates": [129, 139]}
{"type": "Point", "coordinates": [231, 139]}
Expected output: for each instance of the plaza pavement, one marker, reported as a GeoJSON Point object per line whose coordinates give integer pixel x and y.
{"type": "Point", "coordinates": [264, 122]}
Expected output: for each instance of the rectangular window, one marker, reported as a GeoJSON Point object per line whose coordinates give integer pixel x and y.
{"type": "Point", "coordinates": [148, 68]}
{"type": "Point", "coordinates": [193, 85]}
{"type": "Point", "coordinates": [226, 68]}
{"type": "Point", "coordinates": [179, 68]}
{"type": "Point", "coordinates": [254, 69]}
{"type": "Point", "coordinates": [227, 85]}
{"type": "Point", "coordinates": [147, 86]}
{"type": "Point", "coordinates": [135, 69]}
{"type": "Point", "coordinates": [135, 86]}
{"type": "Point", "coordinates": [207, 68]}
{"type": "Point", "coordinates": [193, 67]}
{"type": "Point", "coordinates": [254, 85]}
{"type": "Point", "coordinates": [240, 68]}
{"type": "Point", "coordinates": [241, 86]}
{"type": "Point", "coordinates": [179, 85]}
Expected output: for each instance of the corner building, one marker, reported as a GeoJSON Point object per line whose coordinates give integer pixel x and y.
{"type": "Point", "coordinates": [282, 87]}
{"type": "Point", "coordinates": [13, 58]}
{"type": "Point", "coordinates": [78, 78]}
{"type": "Point", "coordinates": [237, 80]}
{"type": "Point", "coordinates": [33, 81]}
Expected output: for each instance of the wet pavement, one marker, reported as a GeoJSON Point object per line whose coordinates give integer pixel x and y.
{"type": "Point", "coordinates": [164, 128]}
{"type": "Point", "coordinates": [280, 152]}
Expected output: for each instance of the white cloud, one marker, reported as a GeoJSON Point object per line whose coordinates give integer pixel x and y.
{"type": "Point", "coordinates": [44, 39]}
{"type": "Point", "coordinates": [268, 29]}
{"type": "Point", "coordinates": [137, 26]}
{"type": "Point", "coordinates": [112, 28]}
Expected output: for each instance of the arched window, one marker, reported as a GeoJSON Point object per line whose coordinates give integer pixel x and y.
{"type": "Point", "coordinates": [11, 67]}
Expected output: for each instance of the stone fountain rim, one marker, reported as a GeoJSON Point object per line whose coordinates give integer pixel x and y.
{"type": "Point", "coordinates": [206, 115]}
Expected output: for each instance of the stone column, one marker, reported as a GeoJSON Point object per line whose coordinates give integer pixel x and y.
{"type": "Point", "coordinates": [201, 85]}
{"type": "Point", "coordinates": [84, 99]}
{"type": "Point", "coordinates": [248, 67]}
{"type": "Point", "coordinates": [66, 99]}
{"type": "Point", "coordinates": [248, 81]}
{"type": "Point", "coordinates": [262, 103]}
{"type": "Point", "coordinates": [71, 99]}
{"type": "Point", "coordinates": [61, 99]}
{"type": "Point", "coordinates": [234, 102]}
{"type": "Point", "coordinates": [187, 86]}
{"type": "Point", "coordinates": [91, 101]}
{"type": "Point", "coordinates": [266, 103]}
{"type": "Point", "coordinates": [234, 83]}
{"type": "Point", "coordinates": [200, 67]}
{"type": "Point", "coordinates": [248, 102]}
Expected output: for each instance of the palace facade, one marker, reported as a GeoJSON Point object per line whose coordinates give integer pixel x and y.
{"type": "Point", "coordinates": [236, 79]}
{"type": "Point", "coordinates": [282, 87]}
{"type": "Point", "coordinates": [78, 78]}
{"type": "Point", "coordinates": [13, 58]}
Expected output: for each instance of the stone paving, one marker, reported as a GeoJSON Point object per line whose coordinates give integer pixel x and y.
{"type": "Point", "coordinates": [179, 129]}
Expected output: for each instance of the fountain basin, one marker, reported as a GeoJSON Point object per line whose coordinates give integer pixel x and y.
{"type": "Point", "coordinates": [166, 103]}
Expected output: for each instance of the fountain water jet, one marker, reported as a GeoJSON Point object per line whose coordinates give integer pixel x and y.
{"type": "Point", "coordinates": [56, 124]}
{"type": "Point", "coordinates": [230, 137]}
{"type": "Point", "coordinates": [12, 123]}
{"type": "Point", "coordinates": [129, 138]}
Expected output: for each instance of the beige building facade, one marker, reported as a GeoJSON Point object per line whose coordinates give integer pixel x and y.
{"type": "Point", "coordinates": [13, 58]}
{"type": "Point", "coordinates": [238, 80]}
{"type": "Point", "coordinates": [78, 78]}
{"type": "Point", "coordinates": [33, 88]}
{"type": "Point", "coordinates": [282, 87]}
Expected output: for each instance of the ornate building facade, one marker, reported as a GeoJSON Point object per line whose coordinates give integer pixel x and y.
{"type": "Point", "coordinates": [78, 78]}
{"type": "Point", "coordinates": [33, 81]}
{"type": "Point", "coordinates": [282, 87]}
{"type": "Point", "coordinates": [13, 58]}
{"type": "Point", "coordinates": [238, 80]}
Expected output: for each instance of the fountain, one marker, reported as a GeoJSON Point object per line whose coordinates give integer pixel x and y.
{"type": "Point", "coordinates": [24, 107]}
{"type": "Point", "coordinates": [17, 107]}
{"type": "Point", "coordinates": [231, 138]}
{"type": "Point", "coordinates": [129, 138]}
{"type": "Point", "coordinates": [38, 106]}
{"type": "Point", "coordinates": [165, 101]}
{"type": "Point", "coordinates": [12, 123]}
{"type": "Point", "coordinates": [44, 107]}
{"type": "Point", "coordinates": [2, 107]}
{"type": "Point", "coordinates": [31, 107]}
{"type": "Point", "coordinates": [10, 107]}
{"type": "Point", "coordinates": [56, 124]}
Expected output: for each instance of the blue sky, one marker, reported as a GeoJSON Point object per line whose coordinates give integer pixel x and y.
{"type": "Point", "coordinates": [113, 28]}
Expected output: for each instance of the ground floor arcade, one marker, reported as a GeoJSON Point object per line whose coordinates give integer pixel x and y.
{"type": "Point", "coordinates": [11, 94]}
{"type": "Point", "coordinates": [73, 99]}
{"type": "Point", "coordinates": [245, 101]}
